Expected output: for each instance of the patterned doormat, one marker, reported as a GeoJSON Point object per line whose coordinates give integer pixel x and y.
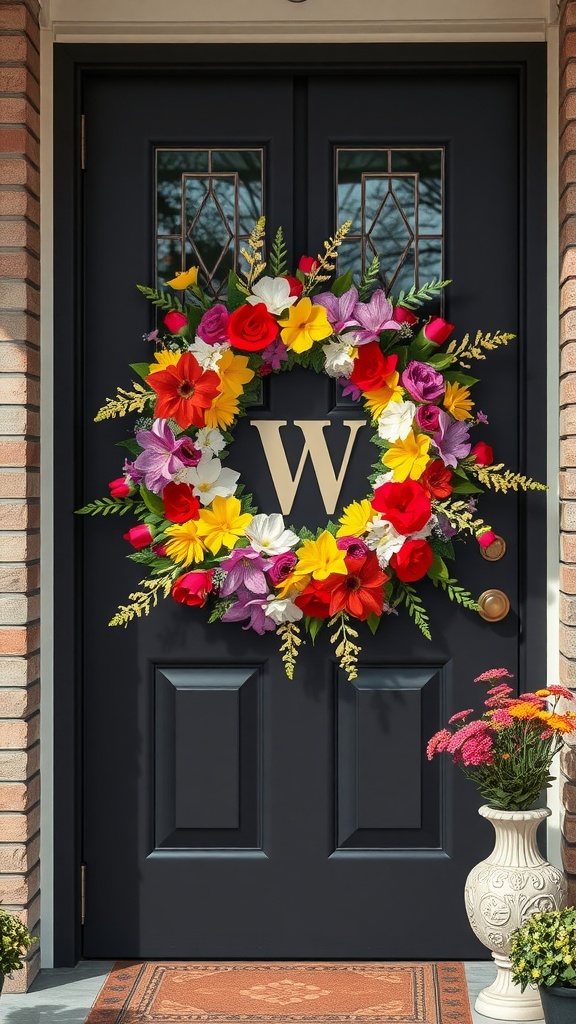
{"type": "Point", "coordinates": [278, 992]}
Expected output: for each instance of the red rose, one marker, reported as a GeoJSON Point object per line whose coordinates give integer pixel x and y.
{"type": "Point", "coordinates": [121, 487]}
{"type": "Point", "coordinates": [483, 454]}
{"type": "Point", "coordinates": [437, 479]}
{"type": "Point", "coordinates": [296, 286]}
{"type": "Point", "coordinates": [174, 321]}
{"type": "Point", "coordinates": [404, 316]}
{"type": "Point", "coordinates": [307, 264]}
{"type": "Point", "coordinates": [405, 505]}
{"type": "Point", "coordinates": [371, 368]}
{"type": "Point", "coordinates": [193, 588]}
{"type": "Point", "coordinates": [437, 330]}
{"type": "Point", "coordinates": [412, 561]}
{"type": "Point", "coordinates": [180, 505]}
{"type": "Point", "coordinates": [314, 600]}
{"type": "Point", "coordinates": [252, 328]}
{"type": "Point", "coordinates": [140, 536]}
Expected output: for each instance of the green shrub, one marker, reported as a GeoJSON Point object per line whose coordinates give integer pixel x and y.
{"type": "Point", "coordinates": [15, 941]}
{"type": "Point", "coordinates": [543, 951]}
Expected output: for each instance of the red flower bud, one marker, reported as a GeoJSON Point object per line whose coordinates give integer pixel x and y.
{"type": "Point", "coordinates": [193, 588]}
{"type": "Point", "coordinates": [174, 321]}
{"type": "Point", "coordinates": [121, 487]}
{"type": "Point", "coordinates": [296, 286]}
{"type": "Point", "coordinates": [160, 550]}
{"type": "Point", "coordinates": [437, 330]}
{"type": "Point", "coordinates": [307, 264]}
{"type": "Point", "coordinates": [140, 536]}
{"type": "Point", "coordinates": [483, 454]}
{"type": "Point", "coordinates": [486, 539]}
{"type": "Point", "coordinates": [404, 316]}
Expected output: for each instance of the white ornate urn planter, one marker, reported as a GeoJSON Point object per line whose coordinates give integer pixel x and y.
{"type": "Point", "coordinates": [502, 892]}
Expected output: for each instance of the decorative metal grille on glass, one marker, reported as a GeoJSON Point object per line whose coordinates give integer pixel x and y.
{"type": "Point", "coordinates": [207, 202]}
{"type": "Point", "coordinates": [395, 200]}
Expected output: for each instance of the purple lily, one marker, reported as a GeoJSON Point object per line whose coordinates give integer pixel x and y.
{"type": "Point", "coordinates": [245, 569]}
{"type": "Point", "coordinates": [340, 310]}
{"type": "Point", "coordinates": [374, 316]}
{"type": "Point", "coordinates": [163, 455]}
{"type": "Point", "coordinates": [349, 388]}
{"type": "Point", "coordinates": [275, 354]}
{"type": "Point", "coordinates": [248, 607]}
{"type": "Point", "coordinates": [452, 440]}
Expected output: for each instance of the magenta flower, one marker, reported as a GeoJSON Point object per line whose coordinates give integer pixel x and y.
{"type": "Point", "coordinates": [133, 473]}
{"type": "Point", "coordinates": [349, 388]}
{"type": "Point", "coordinates": [340, 310]}
{"type": "Point", "coordinates": [428, 417]}
{"type": "Point", "coordinates": [163, 455]}
{"type": "Point", "coordinates": [213, 327]}
{"type": "Point", "coordinates": [275, 354]}
{"type": "Point", "coordinates": [451, 440]}
{"type": "Point", "coordinates": [251, 608]}
{"type": "Point", "coordinates": [478, 750]}
{"type": "Point", "coordinates": [460, 716]}
{"type": "Point", "coordinates": [374, 316]}
{"type": "Point", "coordinates": [353, 546]}
{"type": "Point", "coordinates": [493, 673]}
{"type": "Point", "coordinates": [281, 566]}
{"type": "Point", "coordinates": [481, 417]}
{"type": "Point", "coordinates": [245, 569]}
{"type": "Point", "coordinates": [438, 743]}
{"type": "Point", "coordinates": [423, 382]}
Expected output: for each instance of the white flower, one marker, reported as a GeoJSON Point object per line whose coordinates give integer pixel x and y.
{"type": "Point", "coordinates": [208, 479]}
{"type": "Point", "coordinates": [426, 530]}
{"type": "Point", "coordinates": [339, 359]}
{"type": "Point", "coordinates": [209, 441]}
{"type": "Point", "coordinates": [208, 356]}
{"type": "Point", "coordinates": [274, 292]}
{"type": "Point", "coordinates": [269, 535]}
{"type": "Point", "coordinates": [282, 610]}
{"type": "Point", "coordinates": [384, 478]}
{"type": "Point", "coordinates": [383, 539]}
{"type": "Point", "coordinates": [395, 423]}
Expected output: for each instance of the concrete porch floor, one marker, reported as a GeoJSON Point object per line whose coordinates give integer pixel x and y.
{"type": "Point", "coordinates": [65, 995]}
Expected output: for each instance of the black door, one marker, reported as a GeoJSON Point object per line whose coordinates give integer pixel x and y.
{"type": "Point", "coordinates": [227, 811]}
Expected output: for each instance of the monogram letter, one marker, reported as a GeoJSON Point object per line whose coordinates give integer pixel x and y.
{"type": "Point", "coordinates": [315, 446]}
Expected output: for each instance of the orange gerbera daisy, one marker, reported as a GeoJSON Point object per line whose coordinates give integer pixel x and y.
{"type": "Point", "coordinates": [184, 391]}
{"type": "Point", "coordinates": [361, 592]}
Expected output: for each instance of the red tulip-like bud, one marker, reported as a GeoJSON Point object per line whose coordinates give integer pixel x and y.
{"type": "Point", "coordinates": [296, 286]}
{"type": "Point", "coordinates": [486, 539]}
{"type": "Point", "coordinates": [404, 316]}
{"type": "Point", "coordinates": [437, 330]}
{"type": "Point", "coordinates": [483, 454]}
{"type": "Point", "coordinates": [174, 321]}
{"type": "Point", "coordinates": [140, 536]}
{"type": "Point", "coordinates": [307, 264]}
{"type": "Point", "coordinates": [122, 487]}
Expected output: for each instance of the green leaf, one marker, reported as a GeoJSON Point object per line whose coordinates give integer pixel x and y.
{"type": "Point", "coordinates": [131, 444]}
{"type": "Point", "coordinates": [465, 487]}
{"type": "Point", "coordinates": [107, 506]}
{"type": "Point", "coordinates": [441, 361]}
{"type": "Point", "coordinates": [456, 377]}
{"type": "Point", "coordinates": [342, 284]}
{"type": "Point", "coordinates": [194, 315]}
{"type": "Point", "coordinates": [142, 369]}
{"type": "Point", "coordinates": [278, 252]}
{"type": "Point", "coordinates": [313, 626]}
{"type": "Point", "coordinates": [236, 293]}
{"type": "Point", "coordinates": [438, 570]}
{"type": "Point", "coordinates": [373, 621]}
{"type": "Point", "coordinates": [152, 501]}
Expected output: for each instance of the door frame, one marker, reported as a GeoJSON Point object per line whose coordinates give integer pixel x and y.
{"type": "Point", "coordinates": [73, 63]}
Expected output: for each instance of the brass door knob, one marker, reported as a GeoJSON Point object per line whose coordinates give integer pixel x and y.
{"type": "Point", "coordinates": [495, 551]}
{"type": "Point", "coordinates": [493, 605]}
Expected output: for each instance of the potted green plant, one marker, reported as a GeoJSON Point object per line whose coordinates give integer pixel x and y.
{"type": "Point", "coordinates": [543, 954]}
{"type": "Point", "coordinates": [15, 941]}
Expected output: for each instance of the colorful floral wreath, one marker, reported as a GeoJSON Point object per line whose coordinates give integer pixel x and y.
{"type": "Point", "coordinates": [199, 534]}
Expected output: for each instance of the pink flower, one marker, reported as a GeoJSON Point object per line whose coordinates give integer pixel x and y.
{"type": "Point", "coordinates": [213, 327]}
{"type": "Point", "coordinates": [281, 566]}
{"type": "Point", "coordinates": [437, 330]}
{"type": "Point", "coordinates": [476, 728]}
{"type": "Point", "coordinates": [493, 673]}
{"type": "Point", "coordinates": [122, 487]}
{"type": "Point", "coordinates": [562, 691]}
{"type": "Point", "coordinates": [460, 716]}
{"type": "Point", "coordinates": [140, 536]}
{"type": "Point", "coordinates": [498, 696]}
{"type": "Point", "coordinates": [478, 750]}
{"type": "Point", "coordinates": [502, 717]}
{"type": "Point", "coordinates": [486, 539]}
{"type": "Point", "coordinates": [438, 743]}
{"type": "Point", "coordinates": [547, 734]}
{"type": "Point", "coordinates": [175, 321]}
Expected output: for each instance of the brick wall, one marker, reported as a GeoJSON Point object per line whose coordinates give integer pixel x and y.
{"type": "Point", "coordinates": [567, 130]}
{"type": "Point", "coordinates": [19, 469]}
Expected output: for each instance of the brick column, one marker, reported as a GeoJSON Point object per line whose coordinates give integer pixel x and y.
{"type": "Point", "coordinates": [567, 130]}
{"type": "Point", "coordinates": [19, 470]}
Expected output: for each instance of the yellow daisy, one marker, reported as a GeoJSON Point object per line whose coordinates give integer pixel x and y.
{"type": "Point", "coordinates": [186, 546]}
{"type": "Point", "coordinates": [320, 558]}
{"type": "Point", "coordinates": [457, 401]}
{"type": "Point", "coordinates": [408, 458]}
{"type": "Point", "coordinates": [304, 325]}
{"type": "Point", "coordinates": [355, 518]}
{"type": "Point", "coordinates": [223, 411]}
{"type": "Point", "coordinates": [223, 524]}
{"type": "Point", "coordinates": [164, 357]}
{"type": "Point", "coordinates": [184, 279]}
{"type": "Point", "coordinates": [234, 372]}
{"type": "Point", "coordinates": [376, 401]}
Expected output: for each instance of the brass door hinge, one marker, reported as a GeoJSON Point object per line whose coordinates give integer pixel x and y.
{"type": "Point", "coordinates": [83, 141]}
{"type": "Point", "coordinates": [82, 893]}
